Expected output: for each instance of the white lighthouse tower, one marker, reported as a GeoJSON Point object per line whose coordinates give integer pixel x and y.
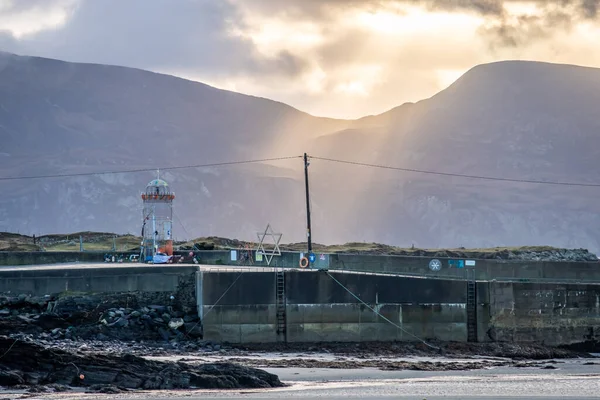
{"type": "Point", "coordinates": [157, 228]}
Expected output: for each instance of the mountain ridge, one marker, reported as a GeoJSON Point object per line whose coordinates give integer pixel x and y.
{"type": "Point", "coordinates": [539, 125]}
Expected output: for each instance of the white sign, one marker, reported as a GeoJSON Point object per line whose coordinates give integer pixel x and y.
{"type": "Point", "coordinates": [233, 255]}
{"type": "Point", "coordinates": [470, 263]}
{"type": "Point", "coordinates": [259, 256]}
{"type": "Point", "coordinates": [435, 265]}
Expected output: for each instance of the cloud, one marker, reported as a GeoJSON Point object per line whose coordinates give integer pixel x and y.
{"type": "Point", "coordinates": [27, 17]}
{"type": "Point", "coordinates": [523, 30]}
{"type": "Point", "coordinates": [483, 7]}
{"type": "Point", "coordinates": [153, 35]}
{"type": "Point", "coordinates": [328, 57]}
{"type": "Point", "coordinates": [590, 8]}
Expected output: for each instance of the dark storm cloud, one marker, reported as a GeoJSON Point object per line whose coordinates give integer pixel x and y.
{"type": "Point", "coordinates": [525, 29]}
{"type": "Point", "coordinates": [555, 17]}
{"type": "Point", "coordinates": [483, 7]}
{"type": "Point", "coordinates": [590, 8]}
{"type": "Point", "coordinates": [501, 29]}
{"type": "Point", "coordinates": [495, 8]}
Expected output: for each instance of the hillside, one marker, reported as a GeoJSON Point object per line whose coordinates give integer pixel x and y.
{"type": "Point", "coordinates": [511, 119]}
{"type": "Point", "coordinates": [109, 242]}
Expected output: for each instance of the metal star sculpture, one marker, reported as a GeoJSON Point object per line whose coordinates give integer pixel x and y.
{"type": "Point", "coordinates": [261, 239]}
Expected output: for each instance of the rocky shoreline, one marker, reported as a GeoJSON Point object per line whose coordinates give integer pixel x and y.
{"type": "Point", "coordinates": [47, 344]}
{"type": "Point", "coordinates": [54, 343]}
{"type": "Point", "coordinates": [27, 363]}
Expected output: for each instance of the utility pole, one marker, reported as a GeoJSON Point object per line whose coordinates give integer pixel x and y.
{"type": "Point", "coordinates": [308, 231]}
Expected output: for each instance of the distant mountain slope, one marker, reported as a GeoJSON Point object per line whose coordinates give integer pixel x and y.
{"type": "Point", "coordinates": [55, 106]}
{"type": "Point", "coordinates": [513, 119]}
{"type": "Point", "coordinates": [521, 120]}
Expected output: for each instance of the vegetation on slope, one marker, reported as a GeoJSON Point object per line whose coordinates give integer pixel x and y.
{"type": "Point", "coordinates": [103, 241]}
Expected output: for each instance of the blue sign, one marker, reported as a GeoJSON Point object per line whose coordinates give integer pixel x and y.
{"type": "Point", "coordinates": [312, 257]}
{"type": "Point", "coordinates": [456, 263]}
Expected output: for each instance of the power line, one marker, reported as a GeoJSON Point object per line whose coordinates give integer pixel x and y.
{"type": "Point", "coordinates": [124, 171]}
{"type": "Point", "coordinates": [189, 237]}
{"type": "Point", "coordinates": [381, 315]}
{"type": "Point", "coordinates": [489, 178]}
{"type": "Point", "coordinates": [380, 166]}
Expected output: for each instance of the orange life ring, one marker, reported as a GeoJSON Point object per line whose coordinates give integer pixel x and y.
{"type": "Point", "coordinates": [304, 262]}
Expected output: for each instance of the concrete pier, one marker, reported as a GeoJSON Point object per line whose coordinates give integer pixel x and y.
{"type": "Point", "coordinates": [238, 304]}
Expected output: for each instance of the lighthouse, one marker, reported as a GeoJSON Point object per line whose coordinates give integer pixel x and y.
{"type": "Point", "coordinates": [157, 226]}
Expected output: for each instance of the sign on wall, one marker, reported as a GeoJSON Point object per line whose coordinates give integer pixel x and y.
{"type": "Point", "coordinates": [435, 265]}
{"type": "Point", "coordinates": [456, 263]}
{"type": "Point", "coordinates": [317, 260]}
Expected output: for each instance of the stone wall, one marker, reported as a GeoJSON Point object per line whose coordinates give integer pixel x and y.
{"type": "Point", "coordinates": [239, 307]}
{"type": "Point", "coordinates": [109, 278]}
{"type": "Point", "coordinates": [546, 313]}
{"type": "Point", "coordinates": [13, 258]}
{"type": "Point", "coordinates": [319, 309]}
{"type": "Point", "coordinates": [485, 269]}
{"type": "Point", "coordinates": [119, 302]}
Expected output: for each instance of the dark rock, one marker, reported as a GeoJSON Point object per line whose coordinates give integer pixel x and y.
{"type": "Point", "coordinates": [121, 322]}
{"type": "Point", "coordinates": [38, 389]}
{"type": "Point", "coordinates": [107, 371]}
{"type": "Point", "coordinates": [175, 323]}
{"type": "Point", "coordinates": [164, 333]}
{"type": "Point", "coordinates": [193, 330]}
{"type": "Point", "coordinates": [10, 378]}
{"type": "Point", "coordinates": [58, 387]}
{"type": "Point", "coordinates": [110, 389]}
{"type": "Point", "coordinates": [190, 318]}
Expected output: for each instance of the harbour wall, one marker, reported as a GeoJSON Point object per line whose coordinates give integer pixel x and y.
{"type": "Point", "coordinates": [242, 306]}
{"type": "Point", "coordinates": [484, 269]}
{"type": "Point", "coordinates": [160, 285]}
{"type": "Point", "coordinates": [319, 309]}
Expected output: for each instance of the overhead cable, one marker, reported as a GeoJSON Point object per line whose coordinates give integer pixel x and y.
{"type": "Point", "coordinates": [489, 178]}
{"type": "Point", "coordinates": [382, 316]}
{"type": "Point", "coordinates": [123, 171]}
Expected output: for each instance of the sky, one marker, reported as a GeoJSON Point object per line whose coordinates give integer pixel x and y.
{"type": "Point", "coordinates": [335, 58]}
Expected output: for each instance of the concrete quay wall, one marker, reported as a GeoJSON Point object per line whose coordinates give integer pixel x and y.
{"type": "Point", "coordinates": [485, 269]}
{"type": "Point", "coordinates": [553, 314]}
{"type": "Point", "coordinates": [13, 258]}
{"type": "Point", "coordinates": [143, 285]}
{"type": "Point", "coordinates": [319, 309]}
{"type": "Point", "coordinates": [552, 271]}
{"type": "Point", "coordinates": [40, 282]}
{"type": "Point", "coordinates": [502, 270]}
{"type": "Point", "coordinates": [240, 307]}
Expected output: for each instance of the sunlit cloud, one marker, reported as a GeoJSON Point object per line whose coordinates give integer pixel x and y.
{"type": "Point", "coordinates": [338, 58]}
{"type": "Point", "coordinates": [22, 18]}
